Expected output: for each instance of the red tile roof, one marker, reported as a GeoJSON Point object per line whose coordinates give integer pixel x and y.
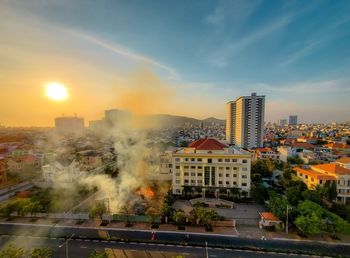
{"type": "Point", "coordinates": [314, 174]}
{"type": "Point", "coordinates": [344, 160]}
{"type": "Point", "coordinates": [333, 168]}
{"type": "Point", "coordinates": [303, 145]}
{"type": "Point", "coordinates": [338, 145]}
{"type": "Point", "coordinates": [207, 144]}
{"type": "Point", "coordinates": [269, 216]}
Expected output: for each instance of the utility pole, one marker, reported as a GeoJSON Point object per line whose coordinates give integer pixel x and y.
{"type": "Point", "coordinates": [287, 220]}
{"type": "Point", "coordinates": [206, 249]}
{"type": "Point", "coordinates": [66, 243]}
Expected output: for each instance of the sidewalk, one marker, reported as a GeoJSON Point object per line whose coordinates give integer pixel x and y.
{"type": "Point", "coordinates": [244, 231]}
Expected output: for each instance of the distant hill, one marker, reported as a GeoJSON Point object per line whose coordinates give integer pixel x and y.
{"type": "Point", "coordinates": [210, 120]}
{"type": "Point", "coordinates": [171, 120]}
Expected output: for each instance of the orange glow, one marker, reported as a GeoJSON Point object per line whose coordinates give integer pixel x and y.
{"type": "Point", "coordinates": [146, 192]}
{"type": "Point", "coordinates": [56, 91]}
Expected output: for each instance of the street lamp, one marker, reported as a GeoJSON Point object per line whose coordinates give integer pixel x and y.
{"type": "Point", "coordinates": [287, 220]}
{"type": "Point", "coordinates": [66, 243]}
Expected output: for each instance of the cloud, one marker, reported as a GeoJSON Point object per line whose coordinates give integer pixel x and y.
{"type": "Point", "coordinates": [121, 50]}
{"type": "Point", "coordinates": [220, 58]}
{"type": "Point", "coordinates": [325, 86]}
{"type": "Point", "coordinates": [237, 10]}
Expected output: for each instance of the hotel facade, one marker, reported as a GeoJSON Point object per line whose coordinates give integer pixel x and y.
{"type": "Point", "coordinates": [210, 165]}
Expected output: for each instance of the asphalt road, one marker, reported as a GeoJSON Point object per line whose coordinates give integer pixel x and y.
{"type": "Point", "coordinates": [125, 235]}
{"type": "Point", "coordinates": [82, 248]}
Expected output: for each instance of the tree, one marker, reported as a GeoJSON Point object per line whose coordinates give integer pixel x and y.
{"type": "Point", "coordinates": [259, 193]}
{"type": "Point", "coordinates": [204, 216]}
{"type": "Point", "coordinates": [41, 253]}
{"type": "Point", "coordinates": [294, 192]}
{"type": "Point", "coordinates": [98, 210]}
{"type": "Point", "coordinates": [98, 254]}
{"type": "Point", "coordinates": [12, 251]}
{"type": "Point", "coordinates": [313, 218]}
{"type": "Point", "coordinates": [152, 213]}
{"type": "Point", "coordinates": [260, 167]}
{"type": "Point", "coordinates": [278, 205]}
{"type": "Point", "coordinates": [179, 217]}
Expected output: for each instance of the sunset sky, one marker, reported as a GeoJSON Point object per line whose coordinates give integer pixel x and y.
{"type": "Point", "coordinates": [197, 54]}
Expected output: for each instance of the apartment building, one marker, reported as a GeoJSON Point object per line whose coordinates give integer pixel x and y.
{"type": "Point", "coordinates": [211, 165]}
{"type": "Point", "coordinates": [316, 175]}
{"type": "Point", "coordinates": [245, 121]}
{"type": "Point", "coordinates": [265, 153]}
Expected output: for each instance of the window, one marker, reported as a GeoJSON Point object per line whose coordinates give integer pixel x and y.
{"type": "Point", "coordinates": [234, 175]}
{"type": "Point", "coordinates": [244, 176]}
{"type": "Point", "coordinates": [227, 168]}
{"type": "Point", "coordinates": [234, 160]}
{"type": "Point", "coordinates": [193, 167]}
{"type": "Point", "coordinates": [235, 168]}
{"type": "Point", "coordinates": [206, 175]}
{"type": "Point", "coordinates": [244, 161]}
{"type": "Point", "coordinates": [177, 167]}
{"type": "Point", "coordinates": [244, 169]}
{"type": "Point", "coordinates": [199, 167]}
{"type": "Point", "coordinates": [199, 182]}
{"type": "Point", "coordinates": [177, 174]}
{"type": "Point", "coordinates": [227, 175]}
{"type": "Point", "coordinates": [244, 184]}
{"type": "Point", "coordinates": [186, 159]}
{"type": "Point", "coordinates": [227, 182]}
{"type": "Point", "coordinates": [193, 182]}
{"type": "Point", "coordinates": [321, 181]}
{"type": "Point", "coordinates": [306, 176]}
{"type": "Point", "coordinates": [177, 181]}
{"type": "Point", "coordinates": [210, 161]}
{"type": "Point", "coordinates": [220, 182]}
{"type": "Point", "coordinates": [177, 160]}
{"type": "Point", "coordinates": [199, 174]}
{"type": "Point", "coordinates": [199, 159]}
{"type": "Point", "coordinates": [186, 174]}
{"type": "Point", "coordinates": [193, 159]}
{"type": "Point", "coordinates": [227, 160]}
{"type": "Point", "coordinates": [219, 160]}
{"type": "Point", "coordinates": [186, 181]}
{"type": "Point", "coordinates": [220, 175]}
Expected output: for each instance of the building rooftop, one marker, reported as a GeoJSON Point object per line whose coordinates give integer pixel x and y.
{"type": "Point", "coordinates": [344, 160]}
{"type": "Point", "coordinates": [269, 216]}
{"type": "Point", "coordinates": [207, 144]}
{"type": "Point", "coordinates": [314, 174]}
{"type": "Point", "coordinates": [331, 168]}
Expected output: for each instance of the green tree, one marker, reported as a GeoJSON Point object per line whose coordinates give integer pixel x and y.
{"type": "Point", "coordinates": [98, 254]}
{"type": "Point", "coordinates": [313, 218]}
{"type": "Point", "coordinates": [11, 251]}
{"type": "Point", "coordinates": [294, 193]}
{"type": "Point", "coordinates": [259, 193]}
{"type": "Point", "coordinates": [179, 217]}
{"type": "Point", "coordinates": [152, 212]}
{"type": "Point", "coordinates": [278, 205]}
{"type": "Point", "coordinates": [41, 253]}
{"type": "Point", "coordinates": [98, 210]}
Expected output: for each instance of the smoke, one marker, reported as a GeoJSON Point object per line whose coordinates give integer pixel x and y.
{"type": "Point", "coordinates": [142, 93]}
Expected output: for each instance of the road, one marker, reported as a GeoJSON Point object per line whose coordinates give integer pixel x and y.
{"type": "Point", "coordinates": [82, 248]}
{"type": "Point", "coordinates": [168, 237]}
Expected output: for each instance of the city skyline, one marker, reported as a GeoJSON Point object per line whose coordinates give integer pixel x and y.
{"type": "Point", "coordinates": [198, 55]}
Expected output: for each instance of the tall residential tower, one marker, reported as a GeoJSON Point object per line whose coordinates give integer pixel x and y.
{"type": "Point", "coordinates": [245, 121]}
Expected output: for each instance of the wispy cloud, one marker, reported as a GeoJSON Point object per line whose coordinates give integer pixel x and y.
{"type": "Point", "coordinates": [325, 86]}
{"type": "Point", "coordinates": [237, 10]}
{"type": "Point", "coordinates": [123, 51]}
{"type": "Point", "coordinates": [221, 56]}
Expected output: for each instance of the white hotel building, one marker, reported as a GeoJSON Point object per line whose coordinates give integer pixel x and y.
{"type": "Point", "coordinates": [211, 165]}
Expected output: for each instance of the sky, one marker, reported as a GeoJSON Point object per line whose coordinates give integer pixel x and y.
{"type": "Point", "coordinates": [202, 53]}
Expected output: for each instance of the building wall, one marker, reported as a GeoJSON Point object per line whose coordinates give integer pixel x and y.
{"type": "Point", "coordinates": [205, 170]}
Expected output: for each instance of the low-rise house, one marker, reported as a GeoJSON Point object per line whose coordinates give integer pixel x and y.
{"type": "Point", "coordinates": [21, 162]}
{"type": "Point", "coordinates": [265, 153]}
{"type": "Point", "coordinates": [316, 175]}
{"type": "Point", "coordinates": [268, 219]}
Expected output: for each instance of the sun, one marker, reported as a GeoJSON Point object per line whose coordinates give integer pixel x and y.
{"type": "Point", "coordinates": [56, 91]}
